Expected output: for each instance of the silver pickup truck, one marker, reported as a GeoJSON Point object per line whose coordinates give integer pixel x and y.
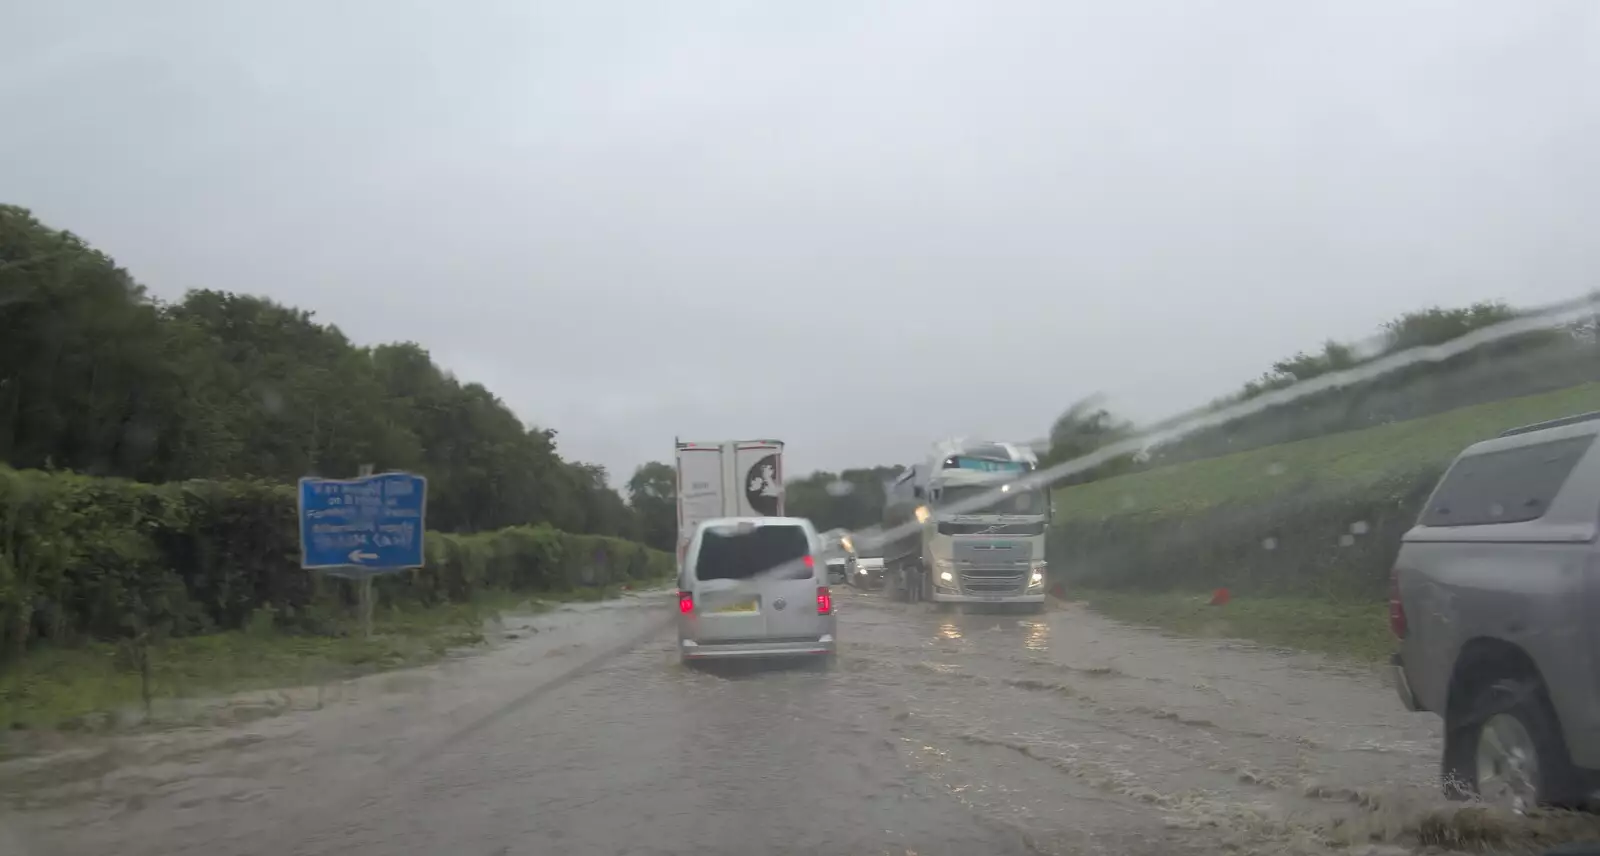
{"type": "Point", "coordinates": [1496, 603]}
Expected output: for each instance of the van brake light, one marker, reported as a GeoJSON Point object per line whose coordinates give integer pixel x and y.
{"type": "Point", "coordinates": [685, 602]}
{"type": "Point", "coordinates": [824, 600]}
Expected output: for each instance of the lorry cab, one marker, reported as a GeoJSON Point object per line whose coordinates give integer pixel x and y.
{"type": "Point", "coordinates": [969, 530]}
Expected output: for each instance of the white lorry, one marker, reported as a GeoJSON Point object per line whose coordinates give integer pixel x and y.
{"type": "Point", "coordinates": [731, 478]}
{"type": "Point", "coordinates": [939, 547]}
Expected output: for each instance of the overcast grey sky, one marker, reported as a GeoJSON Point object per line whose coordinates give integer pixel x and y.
{"type": "Point", "coordinates": [855, 226]}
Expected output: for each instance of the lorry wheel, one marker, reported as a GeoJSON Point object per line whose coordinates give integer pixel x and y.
{"type": "Point", "coordinates": [1504, 746]}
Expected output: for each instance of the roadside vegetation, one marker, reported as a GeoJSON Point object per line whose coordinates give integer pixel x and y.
{"type": "Point", "coordinates": [138, 593]}
{"type": "Point", "coordinates": [1303, 533]}
{"type": "Point", "coordinates": [1315, 518]}
{"type": "Point", "coordinates": [148, 451]}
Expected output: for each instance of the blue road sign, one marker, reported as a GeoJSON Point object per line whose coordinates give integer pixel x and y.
{"type": "Point", "coordinates": [363, 526]}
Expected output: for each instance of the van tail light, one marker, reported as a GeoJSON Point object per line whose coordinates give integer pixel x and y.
{"type": "Point", "coordinates": [810, 561]}
{"type": "Point", "coordinates": [1397, 609]}
{"type": "Point", "coordinates": [685, 602]}
{"type": "Point", "coordinates": [824, 600]}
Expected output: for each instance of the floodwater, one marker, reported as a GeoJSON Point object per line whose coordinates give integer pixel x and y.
{"type": "Point", "coordinates": [935, 733]}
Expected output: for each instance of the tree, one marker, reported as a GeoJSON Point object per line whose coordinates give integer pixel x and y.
{"type": "Point", "coordinates": [96, 376]}
{"type": "Point", "coordinates": [852, 499]}
{"type": "Point", "coordinates": [1081, 429]}
{"type": "Point", "coordinates": [652, 493]}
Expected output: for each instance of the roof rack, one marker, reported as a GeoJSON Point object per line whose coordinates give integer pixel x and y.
{"type": "Point", "coordinates": [1553, 423]}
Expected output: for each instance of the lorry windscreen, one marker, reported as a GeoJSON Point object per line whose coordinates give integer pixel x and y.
{"type": "Point", "coordinates": [738, 555]}
{"type": "Point", "coordinates": [1011, 502]}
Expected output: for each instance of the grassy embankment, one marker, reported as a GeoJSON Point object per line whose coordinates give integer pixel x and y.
{"type": "Point", "coordinates": [1302, 533]}
{"type": "Point", "coordinates": [91, 687]}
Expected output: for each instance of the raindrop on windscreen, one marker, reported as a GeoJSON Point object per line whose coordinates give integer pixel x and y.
{"type": "Point", "coordinates": [1346, 540]}
{"type": "Point", "coordinates": [1276, 469]}
{"type": "Point", "coordinates": [1127, 501]}
{"type": "Point", "coordinates": [1358, 528]}
{"type": "Point", "coordinates": [272, 401]}
{"type": "Point", "coordinates": [1269, 543]}
{"type": "Point", "coordinates": [840, 487]}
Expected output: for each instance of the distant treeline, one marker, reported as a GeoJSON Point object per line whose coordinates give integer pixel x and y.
{"type": "Point", "coordinates": [852, 499]}
{"type": "Point", "coordinates": [99, 378]}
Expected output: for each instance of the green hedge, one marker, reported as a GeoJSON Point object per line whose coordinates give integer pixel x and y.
{"type": "Point", "coordinates": [84, 557]}
{"type": "Point", "coordinates": [1336, 543]}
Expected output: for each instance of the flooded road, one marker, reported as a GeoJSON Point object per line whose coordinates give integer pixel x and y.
{"type": "Point", "coordinates": [935, 733]}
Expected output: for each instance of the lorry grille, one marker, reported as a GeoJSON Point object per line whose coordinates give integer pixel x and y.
{"type": "Point", "coordinates": [992, 567]}
{"type": "Point", "coordinates": [1023, 529]}
{"type": "Point", "coordinates": [993, 581]}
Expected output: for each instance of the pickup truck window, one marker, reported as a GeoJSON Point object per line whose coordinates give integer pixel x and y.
{"type": "Point", "coordinates": [1509, 486]}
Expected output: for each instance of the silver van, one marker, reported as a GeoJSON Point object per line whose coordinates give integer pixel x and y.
{"type": "Point", "coordinates": [754, 587]}
{"type": "Point", "coordinates": [1496, 604]}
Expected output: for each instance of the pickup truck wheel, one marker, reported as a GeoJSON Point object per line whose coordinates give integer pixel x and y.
{"type": "Point", "coordinates": [1504, 746]}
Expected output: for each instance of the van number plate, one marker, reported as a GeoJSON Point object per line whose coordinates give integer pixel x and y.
{"type": "Point", "coordinates": [747, 606]}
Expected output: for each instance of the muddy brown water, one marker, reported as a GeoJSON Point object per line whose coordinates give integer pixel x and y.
{"type": "Point", "coordinates": [935, 733]}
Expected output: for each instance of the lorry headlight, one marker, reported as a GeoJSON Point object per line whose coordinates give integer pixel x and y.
{"type": "Point", "coordinates": [1036, 579]}
{"type": "Point", "coordinates": [946, 576]}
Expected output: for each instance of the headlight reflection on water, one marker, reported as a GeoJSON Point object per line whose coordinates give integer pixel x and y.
{"type": "Point", "coordinates": [1038, 636]}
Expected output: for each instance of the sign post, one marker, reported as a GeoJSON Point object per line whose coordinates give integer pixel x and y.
{"type": "Point", "coordinates": [362, 527]}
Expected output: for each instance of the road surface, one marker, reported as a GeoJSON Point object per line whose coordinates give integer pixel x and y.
{"type": "Point", "coordinates": [934, 734]}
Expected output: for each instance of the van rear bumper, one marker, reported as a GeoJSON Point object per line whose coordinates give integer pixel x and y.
{"type": "Point", "coordinates": [691, 649]}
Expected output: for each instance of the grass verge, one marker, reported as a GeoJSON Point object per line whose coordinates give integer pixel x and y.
{"type": "Point", "coordinates": [1355, 630]}
{"type": "Point", "coordinates": [98, 686]}
{"type": "Point", "coordinates": [1333, 462]}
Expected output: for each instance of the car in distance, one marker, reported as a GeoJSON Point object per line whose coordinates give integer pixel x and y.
{"type": "Point", "coordinates": [869, 573]}
{"type": "Point", "coordinates": [753, 587]}
{"type": "Point", "coordinates": [1495, 600]}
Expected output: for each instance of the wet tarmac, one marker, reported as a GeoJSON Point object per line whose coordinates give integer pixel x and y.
{"type": "Point", "coordinates": [934, 733]}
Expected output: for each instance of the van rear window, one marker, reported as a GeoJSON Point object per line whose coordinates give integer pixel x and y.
{"type": "Point", "coordinates": [742, 555]}
{"type": "Point", "coordinates": [1509, 486]}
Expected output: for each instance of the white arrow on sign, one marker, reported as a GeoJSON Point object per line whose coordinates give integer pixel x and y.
{"type": "Point", "coordinates": [356, 556]}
